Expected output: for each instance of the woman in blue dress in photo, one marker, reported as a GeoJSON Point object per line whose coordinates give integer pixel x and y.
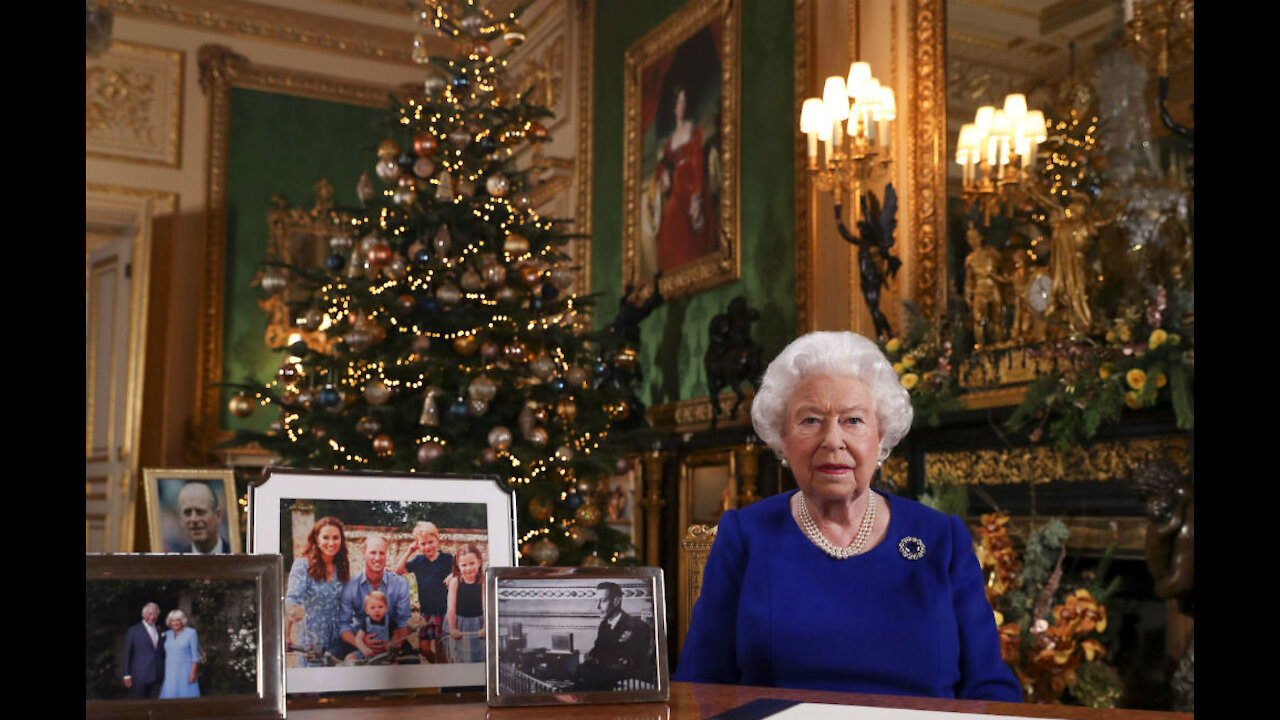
{"type": "Point", "coordinates": [315, 584]}
{"type": "Point", "coordinates": [181, 658]}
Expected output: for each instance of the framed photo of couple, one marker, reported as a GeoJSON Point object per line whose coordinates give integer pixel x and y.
{"type": "Point", "coordinates": [680, 135]}
{"type": "Point", "coordinates": [384, 574]}
{"type": "Point", "coordinates": [569, 635]}
{"type": "Point", "coordinates": [183, 636]}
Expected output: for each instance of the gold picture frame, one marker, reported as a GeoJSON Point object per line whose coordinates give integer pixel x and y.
{"type": "Point", "coordinates": [680, 139]}
{"type": "Point", "coordinates": [165, 525]}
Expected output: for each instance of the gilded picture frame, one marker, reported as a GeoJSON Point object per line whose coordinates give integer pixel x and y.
{"type": "Point", "coordinates": [179, 517]}
{"type": "Point", "coordinates": [231, 601]}
{"type": "Point", "coordinates": [681, 162]}
{"type": "Point", "coordinates": [289, 512]}
{"type": "Point", "coordinates": [550, 644]}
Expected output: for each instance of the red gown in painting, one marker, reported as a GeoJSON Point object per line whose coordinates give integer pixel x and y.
{"type": "Point", "coordinates": [680, 239]}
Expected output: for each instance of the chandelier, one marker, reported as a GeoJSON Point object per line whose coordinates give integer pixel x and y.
{"type": "Point", "coordinates": [852, 119]}
{"type": "Point", "coordinates": [996, 151]}
{"type": "Point", "coordinates": [1156, 31]}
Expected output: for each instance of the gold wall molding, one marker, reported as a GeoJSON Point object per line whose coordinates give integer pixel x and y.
{"type": "Point", "coordinates": [289, 27]}
{"type": "Point", "coordinates": [1089, 535]}
{"type": "Point", "coordinates": [584, 14]}
{"type": "Point", "coordinates": [133, 104]}
{"type": "Point", "coordinates": [805, 197]}
{"type": "Point", "coordinates": [1097, 462]}
{"type": "Point", "coordinates": [220, 71]}
{"type": "Point", "coordinates": [926, 159]}
{"type": "Point", "coordinates": [695, 415]}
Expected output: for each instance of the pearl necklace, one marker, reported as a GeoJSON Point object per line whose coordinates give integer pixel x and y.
{"type": "Point", "coordinates": [815, 535]}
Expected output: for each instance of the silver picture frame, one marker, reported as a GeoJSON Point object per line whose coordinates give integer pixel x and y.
{"type": "Point", "coordinates": [286, 504]}
{"type": "Point", "coordinates": [247, 586]}
{"type": "Point", "coordinates": [549, 644]}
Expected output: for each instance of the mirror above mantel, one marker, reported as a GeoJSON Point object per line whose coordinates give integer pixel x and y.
{"type": "Point", "coordinates": [1106, 145]}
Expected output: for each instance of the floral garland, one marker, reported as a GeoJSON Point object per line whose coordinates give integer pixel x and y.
{"type": "Point", "coordinates": [1054, 649]}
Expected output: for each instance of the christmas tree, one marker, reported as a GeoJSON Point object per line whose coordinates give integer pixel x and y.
{"type": "Point", "coordinates": [440, 335]}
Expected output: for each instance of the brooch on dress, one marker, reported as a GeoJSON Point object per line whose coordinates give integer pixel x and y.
{"type": "Point", "coordinates": [912, 548]}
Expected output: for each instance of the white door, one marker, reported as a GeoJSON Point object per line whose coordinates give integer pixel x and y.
{"type": "Point", "coordinates": [108, 477]}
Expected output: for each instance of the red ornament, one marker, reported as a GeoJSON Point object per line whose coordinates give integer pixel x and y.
{"type": "Point", "coordinates": [380, 254]}
{"type": "Point", "coordinates": [538, 130]}
{"type": "Point", "coordinates": [425, 144]}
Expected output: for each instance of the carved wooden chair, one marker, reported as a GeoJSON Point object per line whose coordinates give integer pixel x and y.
{"type": "Point", "coordinates": [694, 548]}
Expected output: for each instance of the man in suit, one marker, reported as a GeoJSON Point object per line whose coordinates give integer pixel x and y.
{"type": "Point", "coordinates": [144, 655]}
{"type": "Point", "coordinates": [201, 517]}
{"type": "Point", "coordinates": [622, 647]}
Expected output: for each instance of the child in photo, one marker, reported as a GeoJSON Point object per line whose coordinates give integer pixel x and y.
{"type": "Point", "coordinates": [432, 568]}
{"type": "Point", "coordinates": [376, 625]}
{"type": "Point", "coordinates": [465, 615]}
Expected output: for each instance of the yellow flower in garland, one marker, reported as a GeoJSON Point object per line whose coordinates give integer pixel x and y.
{"type": "Point", "coordinates": [1161, 380]}
{"type": "Point", "coordinates": [910, 380]}
{"type": "Point", "coordinates": [909, 361]}
{"type": "Point", "coordinates": [897, 367]}
{"type": "Point", "coordinates": [1158, 337]}
{"type": "Point", "coordinates": [1105, 371]}
{"type": "Point", "coordinates": [1092, 648]}
{"type": "Point", "coordinates": [1133, 400]}
{"type": "Point", "coordinates": [893, 346]}
{"type": "Point", "coordinates": [1136, 378]}
{"type": "Point", "coordinates": [1082, 612]}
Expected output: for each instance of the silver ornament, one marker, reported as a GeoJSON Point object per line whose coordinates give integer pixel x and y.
{"type": "Point", "coordinates": [500, 438]}
{"type": "Point", "coordinates": [340, 243]}
{"type": "Point", "coordinates": [471, 281]}
{"type": "Point", "coordinates": [376, 392]}
{"type": "Point", "coordinates": [387, 170]}
{"type": "Point", "coordinates": [493, 274]}
{"type": "Point", "coordinates": [273, 281]}
{"type": "Point", "coordinates": [544, 552]}
{"type": "Point", "coordinates": [477, 407]}
{"type": "Point", "coordinates": [497, 184]}
{"type": "Point", "coordinates": [312, 319]}
{"type": "Point", "coordinates": [364, 188]}
{"type": "Point", "coordinates": [444, 187]}
{"type": "Point", "coordinates": [433, 84]}
{"type": "Point", "coordinates": [442, 241]}
{"type": "Point", "coordinates": [430, 415]}
{"type": "Point", "coordinates": [564, 453]}
{"type": "Point", "coordinates": [449, 294]}
{"type": "Point", "coordinates": [482, 388]}
{"type": "Point", "coordinates": [397, 268]}
{"type": "Point", "coordinates": [424, 168]}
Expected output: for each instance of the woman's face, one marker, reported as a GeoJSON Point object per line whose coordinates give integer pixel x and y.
{"type": "Point", "coordinates": [831, 438]}
{"type": "Point", "coordinates": [680, 104]}
{"type": "Point", "coordinates": [175, 623]}
{"type": "Point", "coordinates": [330, 541]}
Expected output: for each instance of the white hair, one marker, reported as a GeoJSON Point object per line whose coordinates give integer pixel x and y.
{"type": "Point", "coordinates": [176, 613]}
{"type": "Point", "coordinates": [837, 354]}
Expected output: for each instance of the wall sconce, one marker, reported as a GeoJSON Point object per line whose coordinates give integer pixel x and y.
{"type": "Point", "coordinates": [852, 119]}
{"type": "Point", "coordinates": [1155, 30]}
{"type": "Point", "coordinates": [996, 151]}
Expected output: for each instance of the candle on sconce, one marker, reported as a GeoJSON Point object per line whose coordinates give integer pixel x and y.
{"type": "Point", "coordinates": [811, 121]}
{"type": "Point", "coordinates": [835, 101]}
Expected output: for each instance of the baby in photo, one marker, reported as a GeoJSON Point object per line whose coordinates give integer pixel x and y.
{"type": "Point", "coordinates": [376, 625]}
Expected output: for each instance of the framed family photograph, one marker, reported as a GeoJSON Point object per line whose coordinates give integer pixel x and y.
{"type": "Point", "coordinates": [384, 574]}
{"type": "Point", "coordinates": [680, 185]}
{"type": "Point", "coordinates": [183, 636]}
{"type": "Point", "coordinates": [192, 510]}
{"type": "Point", "coordinates": [576, 635]}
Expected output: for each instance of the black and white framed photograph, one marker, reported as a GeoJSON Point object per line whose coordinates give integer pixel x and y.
{"type": "Point", "coordinates": [576, 635]}
{"type": "Point", "coordinates": [183, 636]}
{"type": "Point", "coordinates": [384, 573]}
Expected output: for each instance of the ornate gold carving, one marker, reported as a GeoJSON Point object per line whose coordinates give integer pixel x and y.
{"type": "Point", "coordinates": [290, 27]}
{"type": "Point", "coordinates": [1089, 535]}
{"type": "Point", "coordinates": [926, 156]}
{"type": "Point", "coordinates": [894, 472]}
{"type": "Point", "coordinates": [1097, 462]}
{"type": "Point", "coordinates": [695, 546]}
{"type": "Point", "coordinates": [133, 104]}
{"type": "Point", "coordinates": [584, 12]}
{"type": "Point", "coordinates": [220, 71]}
{"type": "Point", "coordinates": [544, 72]}
{"type": "Point", "coordinates": [695, 415]}
{"type": "Point", "coordinates": [723, 265]}
{"type": "Point", "coordinates": [1003, 367]}
{"type": "Point", "coordinates": [806, 240]}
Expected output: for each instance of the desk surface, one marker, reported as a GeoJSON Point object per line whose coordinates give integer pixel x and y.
{"type": "Point", "coordinates": [689, 701]}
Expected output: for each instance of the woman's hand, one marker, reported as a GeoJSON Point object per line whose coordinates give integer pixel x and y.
{"type": "Point", "coordinates": [455, 633]}
{"type": "Point", "coordinates": [481, 633]}
{"type": "Point", "coordinates": [191, 679]}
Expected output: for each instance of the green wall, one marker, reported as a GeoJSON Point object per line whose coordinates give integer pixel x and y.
{"type": "Point", "coordinates": [674, 337]}
{"type": "Point", "coordinates": [280, 144]}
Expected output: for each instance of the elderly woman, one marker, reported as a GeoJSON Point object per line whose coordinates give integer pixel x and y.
{"type": "Point", "coordinates": [181, 658]}
{"type": "Point", "coordinates": [833, 586]}
{"type": "Point", "coordinates": [316, 580]}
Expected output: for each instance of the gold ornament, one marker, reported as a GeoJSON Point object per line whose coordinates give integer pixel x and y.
{"type": "Point", "coordinates": [541, 509]}
{"type": "Point", "coordinates": [567, 409]}
{"type": "Point", "coordinates": [466, 344]}
{"type": "Point", "coordinates": [588, 514]}
{"type": "Point", "coordinates": [594, 560]}
{"type": "Point", "coordinates": [544, 552]}
{"type": "Point", "coordinates": [241, 405]}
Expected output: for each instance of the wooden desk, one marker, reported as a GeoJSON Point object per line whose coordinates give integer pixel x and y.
{"type": "Point", "coordinates": [689, 701]}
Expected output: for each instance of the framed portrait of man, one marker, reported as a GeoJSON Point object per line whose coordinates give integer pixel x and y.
{"type": "Point", "coordinates": [192, 510]}
{"type": "Point", "coordinates": [569, 635]}
{"type": "Point", "coordinates": [680, 190]}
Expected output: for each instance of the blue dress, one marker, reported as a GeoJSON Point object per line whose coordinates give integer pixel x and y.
{"type": "Point", "coordinates": [319, 600]}
{"type": "Point", "coordinates": [179, 653]}
{"type": "Point", "coordinates": [777, 611]}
